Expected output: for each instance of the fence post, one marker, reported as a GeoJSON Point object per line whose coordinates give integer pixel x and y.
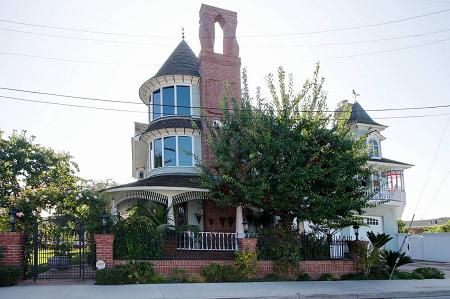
{"type": "Point", "coordinates": [13, 248]}
{"type": "Point", "coordinates": [247, 244]}
{"type": "Point", "coordinates": [104, 244]}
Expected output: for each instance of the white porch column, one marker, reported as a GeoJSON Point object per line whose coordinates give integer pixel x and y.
{"type": "Point", "coordinates": [239, 226]}
{"type": "Point", "coordinates": [170, 214]}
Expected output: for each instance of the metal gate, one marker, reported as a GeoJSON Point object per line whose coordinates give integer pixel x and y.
{"type": "Point", "coordinates": [62, 249]}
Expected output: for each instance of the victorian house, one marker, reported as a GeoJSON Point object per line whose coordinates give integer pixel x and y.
{"type": "Point", "coordinates": [184, 92]}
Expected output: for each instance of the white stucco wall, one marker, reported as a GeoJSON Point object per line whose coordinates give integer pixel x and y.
{"type": "Point", "coordinates": [389, 215]}
{"type": "Point", "coordinates": [428, 247]}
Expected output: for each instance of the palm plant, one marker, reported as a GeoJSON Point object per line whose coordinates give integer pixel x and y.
{"type": "Point", "coordinates": [390, 257]}
{"type": "Point", "coordinates": [374, 260]}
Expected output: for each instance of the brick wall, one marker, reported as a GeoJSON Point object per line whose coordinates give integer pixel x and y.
{"type": "Point", "coordinates": [193, 267]}
{"type": "Point", "coordinates": [104, 248]}
{"type": "Point", "coordinates": [13, 252]}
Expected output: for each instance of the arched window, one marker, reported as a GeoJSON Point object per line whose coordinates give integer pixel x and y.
{"type": "Point", "coordinates": [374, 148]}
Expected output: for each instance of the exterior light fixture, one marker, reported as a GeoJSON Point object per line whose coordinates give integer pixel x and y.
{"type": "Point", "coordinates": [104, 218]}
{"type": "Point", "coordinates": [245, 224]}
{"type": "Point", "coordinates": [12, 219]}
{"type": "Point", "coordinates": [356, 228]}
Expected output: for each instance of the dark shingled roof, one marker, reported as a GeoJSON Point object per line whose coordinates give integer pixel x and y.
{"type": "Point", "coordinates": [167, 180]}
{"type": "Point", "coordinates": [384, 160]}
{"type": "Point", "coordinates": [182, 61]}
{"type": "Point", "coordinates": [173, 122]}
{"type": "Point", "coordinates": [359, 115]}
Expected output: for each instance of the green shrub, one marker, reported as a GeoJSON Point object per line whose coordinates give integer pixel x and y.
{"type": "Point", "coordinates": [179, 276]}
{"type": "Point", "coordinates": [220, 273]}
{"type": "Point", "coordinates": [407, 275]}
{"type": "Point", "coordinates": [303, 276]}
{"type": "Point", "coordinates": [430, 273]}
{"type": "Point", "coordinates": [133, 272]}
{"type": "Point", "coordinates": [354, 276]}
{"type": "Point", "coordinates": [112, 276]}
{"type": "Point", "coordinates": [328, 277]}
{"type": "Point", "coordinates": [9, 275]}
{"type": "Point", "coordinates": [246, 263]}
{"type": "Point", "coordinates": [390, 257]}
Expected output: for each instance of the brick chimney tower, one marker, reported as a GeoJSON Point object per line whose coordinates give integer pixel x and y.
{"type": "Point", "coordinates": [216, 69]}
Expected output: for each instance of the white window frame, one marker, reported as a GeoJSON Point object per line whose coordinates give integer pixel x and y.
{"type": "Point", "coordinates": [175, 100]}
{"type": "Point", "coordinates": [152, 157]}
{"type": "Point", "coordinates": [371, 151]}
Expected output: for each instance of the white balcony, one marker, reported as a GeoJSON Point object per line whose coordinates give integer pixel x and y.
{"type": "Point", "coordinates": [387, 196]}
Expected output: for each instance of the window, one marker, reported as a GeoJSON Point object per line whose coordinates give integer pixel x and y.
{"type": "Point", "coordinates": [172, 151]}
{"type": "Point", "coordinates": [171, 100]}
{"type": "Point", "coordinates": [371, 221]}
{"type": "Point", "coordinates": [374, 148]}
{"type": "Point", "coordinates": [395, 180]}
{"type": "Point", "coordinates": [157, 153]}
{"type": "Point", "coordinates": [181, 214]}
{"type": "Point", "coordinates": [184, 151]}
{"type": "Point", "coordinates": [156, 104]}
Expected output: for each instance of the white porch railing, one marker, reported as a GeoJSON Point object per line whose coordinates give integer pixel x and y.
{"type": "Point", "coordinates": [207, 241]}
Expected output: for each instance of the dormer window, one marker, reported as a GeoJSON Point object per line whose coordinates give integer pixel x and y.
{"type": "Point", "coordinates": [374, 148]}
{"type": "Point", "coordinates": [171, 100]}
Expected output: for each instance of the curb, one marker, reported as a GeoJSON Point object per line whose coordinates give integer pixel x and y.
{"type": "Point", "coordinates": [417, 294]}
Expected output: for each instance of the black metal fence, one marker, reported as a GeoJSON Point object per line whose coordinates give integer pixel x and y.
{"type": "Point", "coordinates": [303, 246]}
{"type": "Point", "coordinates": [62, 249]}
{"type": "Point", "coordinates": [190, 245]}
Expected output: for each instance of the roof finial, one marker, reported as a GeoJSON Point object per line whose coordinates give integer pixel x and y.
{"type": "Point", "coordinates": [182, 32]}
{"type": "Point", "coordinates": [355, 95]}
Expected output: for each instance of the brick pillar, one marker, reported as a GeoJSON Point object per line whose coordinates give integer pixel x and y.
{"type": "Point", "coordinates": [247, 244]}
{"type": "Point", "coordinates": [358, 253]}
{"type": "Point", "coordinates": [13, 251]}
{"type": "Point", "coordinates": [104, 248]}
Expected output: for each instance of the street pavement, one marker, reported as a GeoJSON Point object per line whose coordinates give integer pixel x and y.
{"type": "Point", "coordinates": [287, 290]}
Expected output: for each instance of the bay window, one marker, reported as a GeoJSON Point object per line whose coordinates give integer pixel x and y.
{"type": "Point", "coordinates": [172, 151]}
{"type": "Point", "coordinates": [171, 100]}
{"type": "Point", "coordinates": [395, 180]}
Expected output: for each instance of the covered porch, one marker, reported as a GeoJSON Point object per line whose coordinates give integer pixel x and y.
{"type": "Point", "coordinates": [219, 228]}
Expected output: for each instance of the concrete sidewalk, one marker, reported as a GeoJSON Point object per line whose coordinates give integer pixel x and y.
{"type": "Point", "coordinates": [311, 289]}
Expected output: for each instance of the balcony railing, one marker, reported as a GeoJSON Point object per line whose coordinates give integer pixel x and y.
{"type": "Point", "coordinates": [207, 241]}
{"type": "Point", "coordinates": [386, 195]}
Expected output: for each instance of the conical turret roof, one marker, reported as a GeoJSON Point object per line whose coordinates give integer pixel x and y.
{"type": "Point", "coordinates": [359, 115]}
{"type": "Point", "coordinates": [182, 61]}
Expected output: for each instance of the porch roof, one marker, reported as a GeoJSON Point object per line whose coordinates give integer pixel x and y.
{"type": "Point", "coordinates": [389, 161]}
{"type": "Point", "coordinates": [166, 180]}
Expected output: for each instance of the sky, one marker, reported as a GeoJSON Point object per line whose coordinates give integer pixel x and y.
{"type": "Point", "coordinates": [113, 66]}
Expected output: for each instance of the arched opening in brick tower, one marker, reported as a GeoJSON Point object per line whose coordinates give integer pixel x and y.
{"type": "Point", "coordinates": [218, 34]}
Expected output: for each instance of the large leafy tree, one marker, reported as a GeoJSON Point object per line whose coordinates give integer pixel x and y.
{"type": "Point", "coordinates": [33, 178]}
{"type": "Point", "coordinates": [288, 156]}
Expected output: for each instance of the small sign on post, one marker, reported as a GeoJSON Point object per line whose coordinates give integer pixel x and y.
{"type": "Point", "coordinates": [100, 265]}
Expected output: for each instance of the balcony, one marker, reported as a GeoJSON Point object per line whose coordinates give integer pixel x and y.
{"type": "Point", "coordinates": [387, 196]}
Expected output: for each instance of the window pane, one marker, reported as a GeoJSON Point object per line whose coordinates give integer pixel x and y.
{"type": "Point", "coordinates": [157, 153]}
{"type": "Point", "coordinates": [170, 151]}
{"type": "Point", "coordinates": [184, 151]}
{"type": "Point", "coordinates": [156, 104]}
{"type": "Point", "coordinates": [183, 100]}
{"type": "Point", "coordinates": [168, 101]}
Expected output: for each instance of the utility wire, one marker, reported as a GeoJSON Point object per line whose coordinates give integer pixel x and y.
{"type": "Point", "coordinates": [436, 194]}
{"type": "Point", "coordinates": [194, 115]}
{"type": "Point", "coordinates": [277, 46]}
{"type": "Point", "coordinates": [143, 65]}
{"type": "Point", "coordinates": [77, 38]}
{"type": "Point", "coordinates": [241, 36]}
{"type": "Point", "coordinates": [205, 107]}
